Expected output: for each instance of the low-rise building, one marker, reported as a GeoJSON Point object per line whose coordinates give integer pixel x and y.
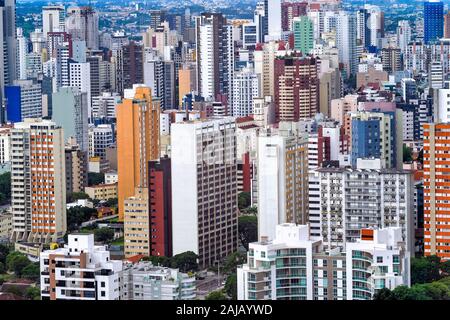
{"type": "Point", "coordinates": [111, 177]}
{"type": "Point", "coordinates": [79, 271]}
{"type": "Point", "coordinates": [143, 281]}
{"type": "Point", "coordinates": [102, 191]}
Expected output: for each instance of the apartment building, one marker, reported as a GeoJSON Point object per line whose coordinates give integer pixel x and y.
{"type": "Point", "coordinates": [38, 184]}
{"type": "Point", "coordinates": [364, 197]}
{"type": "Point", "coordinates": [435, 189]}
{"type": "Point", "coordinates": [143, 281]}
{"type": "Point", "coordinates": [79, 271]}
{"type": "Point", "coordinates": [102, 191]}
{"type": "Point", "coordinates": [295, 266]}
{"type": "Point", "coordinates": [282, 180]}
{"type": "Point", "coordinates": [204, 188]}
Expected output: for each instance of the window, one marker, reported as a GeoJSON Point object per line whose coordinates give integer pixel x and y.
{"type": "Point", "coordinates": [263, 254]}
{"type": "Point", "coordinates": [102, 293]}
{"type": "Point", "coordinates": [379, 259]}
{"type": "Point", "coordinates": [315, 263]}
{"type": "Point", "coordinates": [103, 284]}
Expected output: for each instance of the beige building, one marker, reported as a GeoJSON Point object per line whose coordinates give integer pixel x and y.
{"type": "Point", "coordinates": [340, 107]}
{"type": "Point", "coordinates": [5, 225]}
{"type": "Point", "coordinates": [76, 169]}
{"type": "Point", "coordinates": [329, 89]}
{"type": "Point", "coordinates": [137, 224]}
{"type": "Point", "coordinates": [372, 76]}
{"type": "Point", "coordinates": [102, 191]}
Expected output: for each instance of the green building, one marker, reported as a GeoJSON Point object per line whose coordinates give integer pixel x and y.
{"type": "Point", "coordinates": [303, 34]}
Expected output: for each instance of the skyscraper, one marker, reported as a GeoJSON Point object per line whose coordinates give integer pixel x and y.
{"type": "Point", "coordinates": [433, 16]}
{"type": "Point", "coordinates": [137, 141]}
{"type": "Point", "coordinates": [303, 34]}
{"type": "Point", "coordinates": [7, 48]}
{"type": "Point", "coordinates": [39, 185]}
{"type": "Point", "coordinates": [296, 87]}
{"type": "Point", "coordinates": [436, 180]}
{"type": "Point", "coordinates": [282, 181]}
{"type": "Point", "coordinates": [214, 52]}
{"type": "Point", "coordinates": [82, 24]}
{"type": "Point", "coordinates": [204, 189]}
{"type": "Point", "coordinates": [52, 19]}
{"type": "Point", "coordinates": [346, 41]}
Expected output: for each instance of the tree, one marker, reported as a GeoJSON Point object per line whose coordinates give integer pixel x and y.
{"type": "Point", "coordinates": [112, 202]}
{"type": "Point", "coordinates": [407, 154]}
{"type": "Point", "coordinates": [216, 295]}
{"type": "Point", "coordinates": [445, 267]}
{"type": "Point", "coordinates": [2, 268]}
{"type": "Point", "coordinates": [74, 196]}
{"type": "Point", "coordinates": [244, 200]}
{"type": "Point", "coordinates": [77, 215]}
{"type": "Point", "coordinates": [16, 262]}
{"type": "Point", "coordinates": [5, 188]}
{"type": "Point", "coordinates": [104, 234]}
{"type": "Point", "coordinates": [14, 290]}
{"type": "Point", "coordinates": [425, 269]}
{"type": "Point", "coordinates": [186, 261]}
{"type": "Point", "coordinates": [384, 294]}
{"type": "Point", "coordinates": [4, 251]}
{"type": "Point", "coordinates": [233, 261]}
{"type": "Point", "coordinates": [95, 178]}
{"type": "Point", "coordinates": [33, 293]}
{"type": "Point", "coordinates": [231, 286]}
{"type": "Point", "coordinates": [31, 271]}
{"type": "Point", "coordinates": [247, 230]}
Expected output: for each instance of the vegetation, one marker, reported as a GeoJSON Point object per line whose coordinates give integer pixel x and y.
{"type": "Point", "coordinates": [233, 261]}
{"type": "Point", "coordinates": [22, 267]}
{"type": "Point", "coordinates": [437, 290]}
{"type": "Point", "coordinates": [231, 286]}
{"type": "Point", "coordinates": [77, 215]}
{"type": "Point", "coordinates": [426, 269]}
{"type": "Point", "coordinates": [185, 262]}
{"type": "Point", "coordinates": [33, 293]}
{"type": "Point", "coordinates": [247, 230]}
{"type": "Point", "coordinates": [104, 234]}
{"type": "Point", "coordinates": [216, 295]}
{"type": "Point", "coordinates": [95, 178]}
{"type": "Point", "coordinates": [244, 200]}
{"type": "Point", "coordinates": [429, 278]}
{"type": "Point", "coordinates": [5, 188]}
{"type": "Point", "coordinates": [407, 154]}
{"type": "Point", "coordinates": [112, 202]}
{"type": "Point", "coordinates": [74, 196]}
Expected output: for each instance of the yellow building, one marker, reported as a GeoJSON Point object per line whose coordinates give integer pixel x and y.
{"type": "Point", "coordinates": [137, 140]}
{"type": "Point", "coordinates": [102, 191]}
{"type": "Point", "coordinates": [137, 228]}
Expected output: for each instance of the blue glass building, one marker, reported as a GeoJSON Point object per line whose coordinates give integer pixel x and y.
{"type": "Point", "coordinates": [433, 15]}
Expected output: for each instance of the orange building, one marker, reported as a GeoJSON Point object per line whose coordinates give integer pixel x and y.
{"type": "Point", "coordinates": [436, 175]}
{"type": "Point", "coordinates": [186, 81]}
{"type": "Point", "coordinates": [137, 141]}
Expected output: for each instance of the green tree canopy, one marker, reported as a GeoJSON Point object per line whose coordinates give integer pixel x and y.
{"type": "Point", "coordinates": [77, 215]}
{"type": "Point", "coordinates": [33, 293]}
{"type": "Point", "coordinates": [216, 295]}
{"type": "Point", "coordinates": [247, 230]}
{"type": "Point", "coordinates": [104, 234]}
{"type": "Point", "coordinates": [31, 271]}
{"type": "Point", "coordinates": [186, 261]}
{"type": "Point", "coordinates": [244, 200]}
{"type": "Point", "coordinates": [231, 286]}
{"type": "Point", "coordinates": [233, 261]}
{"type": "Point", "coordinates": [16, 262]}
{"type": "Point", "coordinates": [74, 196]}
{"type": "Point", "coordinates": [95, 178]}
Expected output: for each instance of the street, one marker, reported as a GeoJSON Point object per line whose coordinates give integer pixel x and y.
{"type": "Point", "coordinates": [209, 284]}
